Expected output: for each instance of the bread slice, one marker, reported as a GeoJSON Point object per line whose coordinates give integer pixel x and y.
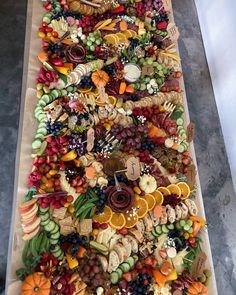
{"type": "Point", "coordinates": [114, 261]}
{"type": "Point", "coordinates": [121, 251]}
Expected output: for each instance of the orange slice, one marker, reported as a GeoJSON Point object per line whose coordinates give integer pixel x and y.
{"type": "Point", "coordinates": [127, 33]}
{"type": "Point", "coordinates": [122, 37]}
{"type": "Point", "coordinates": [131, 219]}
{"type": "Point", "coordinates": [105, 216]}
{"type": "Point", "coordinates": [117, 220]}
{"type": "Point", "coordinates": [165, 191]}
{"type": "Point", "coordinates": [174, 189]}
{"type": "Point", "coordinates": [185, 190]}
{"type": "Point", "coordinates": [111, 38]}
{"type": "Point", "coordinates": [151, 201]}
{"type": "Point", "coordinates": [158, 197]}
{"type": "Point", "coordinates": [133, 33]}
{"type": "Point", "coordinates": [85, 90]}
{"type": "Point", "coordinates": [142, 207]}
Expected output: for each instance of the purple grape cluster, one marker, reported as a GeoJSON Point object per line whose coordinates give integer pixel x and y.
{"type": "Point", "coordinates": [157, 4]}
{"type": "Point", "coordinates": [76, 143]}
{"type": "Point", "coordinates": [131, 136]}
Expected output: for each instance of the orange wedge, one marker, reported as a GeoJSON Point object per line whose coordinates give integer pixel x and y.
{"type": "Point", "coordinates": [165, 191]}
{"type": "Point", "coordinates": [142, 207]}
{"type": "Point", "coordinates": [151, 201]}
{"type": "Point", "coordinates": [174, 189]}
{"type": "Point", "coordinates": [158, 197]}
{"type": "Point", "coordinates": [131, 219]}
{"type": "Point", "coordinates": [185, 190]}
{"type": "Point", "coordinates": [117, 220]}
{"type": "Point", "coordinates": [105, 216]}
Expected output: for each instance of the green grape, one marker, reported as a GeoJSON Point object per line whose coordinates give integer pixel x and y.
{"type": "Point", "coordinates": [164, 70]}
{"type": "Point", "coordinates": [189, 222]}
{"type": "Point", "coordinates": [138, 85]}
{"type": "Point", "coordinates": [92, 39]}
{"type": "Point", "coordinates": [98, 41]}
{"type": "Point", "coordinates": [177, 225]}
{"type": "Point", "coordinates": [182, 223]}
{"type": "Point", "coordinates": [89, 43]}
{"type": "Point", "coordinates": [141, 61]}
{"type": "Point", "coordinates": [92, 47]}
{"type": "Point", "coordinates": [190, 230]}
{"type": "Point", "coordinates": [147, 79]}
{"type": "Point", "coordinates": [155, 64]}
{"type": "Point", "coordinates": [159, 67]}
{"type": "Point", "coordinates": [145, 63]}
{"type": "Point", "coordinates": [150, 61]}
{"type": "Point", "coordinates": [143, 86]}
{"type": "Point", "coordinates": [160, 73]}
{"type": "Point", "coordinates": [159, 81]}
{"type": "Point", "coordinates": [186, 227]}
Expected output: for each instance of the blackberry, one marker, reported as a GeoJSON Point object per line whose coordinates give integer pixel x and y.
{"type": "Point", "coordinates": [76, 143]}
{"type": "Point", "coordinates": [100, 204]}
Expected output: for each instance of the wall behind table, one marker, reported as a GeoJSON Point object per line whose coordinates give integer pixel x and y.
{"type": "Point", "coordinates": [218, 26]}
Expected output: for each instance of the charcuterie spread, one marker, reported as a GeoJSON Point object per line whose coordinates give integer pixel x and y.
{"type": "Point", "coordinates": [111, 204]}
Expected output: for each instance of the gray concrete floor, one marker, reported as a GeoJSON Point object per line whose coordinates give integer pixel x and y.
{"type": "Point", "coordinates": [219, 197]}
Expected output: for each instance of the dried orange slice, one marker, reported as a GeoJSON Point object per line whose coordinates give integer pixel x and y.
{"type": "Point", "coordinates": [174, 189]}
{"type": "Point", "coordinates": [151, 201]}
{"type": "Point", "coordinates": [105, 216]}
{"type": "Point", "coordinates": [142, 207]}
{"type": "Point", "coordinates": [133, 33]}
{"type": "Point", "coordinates": [165, 191]}
{"type": "Point", "coordinates": [122, 38]}
{"type": "Point", "coordinates": [185, 190]}
{"type": "Point", "coordinates": [158, 197]}
{"type": "Point", "coordinates": [128, 34]}
{"type": "Point", "coordinates": [85, 90]}
{"type": "Point", "coordinates": [131, 219]}
{"type": "Point", "coordinates": [111, 38]}
{"type": "Point", "coordinates": [117, 220]}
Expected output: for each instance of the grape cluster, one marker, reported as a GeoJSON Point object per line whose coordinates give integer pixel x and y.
{"type": "Point", "coordinates": [185, 226]}
{"type": "Point", "coordinates": [142, 284]}
{"type": "Point", "coordinates": [57, 48]}
{"type": "Point", "coordinates": [130, 136]}
{"type": "Point", "coordinates": [147, 112]}
{"type": "Point", "coordinates": [85, 82]}
{"type": "Point", "coordinates": [87, 23]}
{"type": "Point", "coordinates": [76, 143]}
{"type": "Point", "coordinates": [92, 40]}
{"type": "Point", "coordinates": [157, 4]}
{"type": "Point", "coordinates": [73, 242]}
{"type": "Point", "coordinates": [100, 192]}
{"type": "Point", "coordinates": [91, 272]}
{"type": "Point", "coordinates": [54, 128]}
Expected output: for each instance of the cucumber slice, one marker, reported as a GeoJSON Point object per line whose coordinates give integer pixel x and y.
{"type": "Point", "coordinates": [41, 117]}
{"type": "Point", "coordinates": [61, 256]}
{"type": "Point", "coordinates": [181, 149]}
{"type": "Point", "coordinates": [114, 277]}
{"type": "Point", "coordinates": [120, 272]}
{"type": "Point", "coordinates": [158, 230]}
{"type": "Point", "coordinates": [43, 210]}
{"type": "Point", "coordinates": [170, 226]}
{"type": "Point", "coordinates": [36, 144]}
{"type": "Point", "coordinates": [58, 253]}
{"type": "Point", "coordinates": [55, 236]}
{"type": "Point", "coordinates": [53, 242]}
{"type": "Point", "coordinates": [45, 216]}
{"type": "Point", "coordinates": [56, 229]}
{"type": "Point", "coordinates": [125, 267]}
{"type": "Point", "coordinates": [39, 136]}
{"type": "Point", "coordinates": [154, 233]}
{"type": "Point", "coordinates": [130, 261]}
{"type": "Point", "coordinates": [42, 131]}
{"type": "Point", "coordinates": [46, 98]}
{"type": "Point", "coordinates": [50, 226]}
{"type": "Point", "coordinates": [45, 222]}
{"type": "Point", "coordinates": [57, 248]}
{"type": "Point", "coordinates": [165, 230]}
{"type": "Point", "coordinates": [182, 131]}
{"type": "Point", "coordinates": [180, 121]}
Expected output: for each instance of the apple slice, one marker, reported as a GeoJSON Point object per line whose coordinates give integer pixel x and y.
{"type": "Point", "coordinates": [30, 228]}
{"type": "Point", "coordinates": [33, 211]}
{"type": "Point", "coordinates": [27, 222]}
{"type": "Point", "coordinates": [24, 207]}
{"type": "Point", "coordinates": [30, 236]}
